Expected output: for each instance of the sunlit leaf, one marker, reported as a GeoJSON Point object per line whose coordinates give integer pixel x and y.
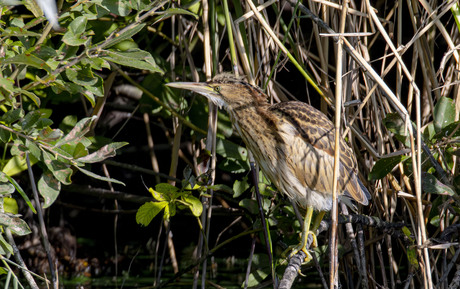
{"type": "Point", "coordinates": [194, 204]}
{"type": "Point", "coordinates": [240, 187]}
{"type": "Point", "coordinates": [103, 153]}
{"type": "Point", "coordinates": [15, 224]}
{"type": "Point", "coordinates": [135, 58]}
{"type": "Point", "coordinates": [148, 211]}
{"type": "Point", "coordinates": [444, 113]}
{"type": "Point", "coordinates": [10, 206]}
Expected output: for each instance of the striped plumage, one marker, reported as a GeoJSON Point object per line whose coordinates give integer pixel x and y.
{"type": "Point", "coordinates": [292, 142]}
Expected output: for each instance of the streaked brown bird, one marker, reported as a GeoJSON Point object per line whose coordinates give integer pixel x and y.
{"type": "Point", "coordinates": [292, 142]}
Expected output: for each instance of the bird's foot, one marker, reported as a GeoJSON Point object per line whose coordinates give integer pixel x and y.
{"type": "Point", "coordinates": [302, 246]}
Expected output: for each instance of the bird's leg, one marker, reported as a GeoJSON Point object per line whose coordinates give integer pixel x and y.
{"type": "Point", "coordinates": [304, 238]}
{"type": "Point", "coordinates": [318, 220]}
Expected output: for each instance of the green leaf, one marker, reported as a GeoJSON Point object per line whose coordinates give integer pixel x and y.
{"type": "Point", "coordinates": [15, 224]}
{"type": "Point", "coordinates": [78, 132]}
{"type": "Point", "coordinates": [32, 97]}
{"type": "Point", "coordinates": [157, 195]}
{"type": "Point", "coordinates": [174, 11]}
{"type": "Point", "coordinates": [451, 130]}
{"type": "Point", "coordinates": [18, 31]}
{"type": "Point", "coordinates": [444, 113]}
{"type": "Point", "coordinates": [21, 192]}
{"type": "Point", "coordinates": [234, 166]}
{"type": "Point", "coordinates": [148, 211]}
{"type": "Point", "coordinates": [239, 187]}
{"type": "Point", "coordinates": [135, 58]}
{"type": "Point", "coordinates": [17, 164]}
{"type": "Point", "coordinates": [6, 188]}
{"type": "Point", "coordinates": [229, 149]}
{"type": "Point", "coordinates": [101, 178]}
{"type": "Point", "coordinates": [61, 171]}
{"type": "Point", "coordinates": [49, 187]}
{"type": "Point", "coordinates": [117, 38]}
{"type": "Point", "coordinates": [73, 36]}
{"type": "Point", "coordinates": [12, 115]}
{"type": "Point", "coordinates": [30, 119]}
{"type": "Point", "coordinates": [81, 75]}
{"type": "Point", "coordinates": [170, 211]}
{"type": "Point", "coordinates": [220, 187]}
{"type": "Point", "coordinates": [5, 245]}
{"type": "Point", "coordinates": [78, 25]}
{"type": "Point", "coordinates": [48, 134]}
{"type": "Point", "coordinates": [103, 153]}
{"type": "Point", "coordinates": [385, 165]}
{"type": "Point", "coordinates": [10, 206]}
{"type": "Point", "coordinates": [5, 136]}
{"type": "Point", "coordinates": [430, 184]}
{"type": "Point", "coordinates": [250, 205]}
{"type": "Point", "coordinates": [412, 257]}
{"type": "Point", "coordinates": [28, 60]}
{"type": "Point", "coordinates": [194, 204]}
{"type": "Point", "coordinates": [96, 89]}
{"type": "Point", "coordinates": [80, 151]}
{"type": "Point", "coordinates": [117, 7]}
{"type": "Point", "coordinates": [165, 188]}
{"type": "Point", "coordinates": [257, 277]}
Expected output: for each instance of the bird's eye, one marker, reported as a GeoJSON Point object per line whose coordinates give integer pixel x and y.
{"type": "Point", "coordinates": [217, 88]}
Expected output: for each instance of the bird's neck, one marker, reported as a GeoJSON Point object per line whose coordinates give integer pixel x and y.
{"type": "Point", "coordinates": [252, 121]}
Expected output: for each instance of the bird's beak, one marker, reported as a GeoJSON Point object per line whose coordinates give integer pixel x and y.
{"type": "Point", "coordinates": [198, 87]}
{"type": "Point", "coordinates": [202, 88]}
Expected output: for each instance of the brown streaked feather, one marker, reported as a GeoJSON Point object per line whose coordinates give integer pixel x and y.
{"type": "Point", "coordinates": [316, 171]}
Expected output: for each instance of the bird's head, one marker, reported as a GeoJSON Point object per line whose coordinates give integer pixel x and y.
{"type": "Point", "coordinates": [226, 90]}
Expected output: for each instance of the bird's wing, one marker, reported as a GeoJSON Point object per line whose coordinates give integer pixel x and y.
{"type": "Point", "coordinates": [312, 150]}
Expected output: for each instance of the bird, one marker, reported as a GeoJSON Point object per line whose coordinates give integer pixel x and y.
{"type": "Point", "coordinates": [293, 144]}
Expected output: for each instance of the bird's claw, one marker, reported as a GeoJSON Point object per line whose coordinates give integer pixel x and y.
{"type": "Point", "coordinates": [302, 246]}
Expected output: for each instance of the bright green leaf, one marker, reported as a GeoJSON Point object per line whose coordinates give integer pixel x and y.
{"type": "Point", "coordinates": [444, 113]}
{"type": "Point", "coordinates": [10, 206]}
{"type": "Point", "coordinates": [194, 204]}
{"type": "Point", "coordinates": [148, 211]}
{"type": "Point", "coordinates": [157, 195]}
